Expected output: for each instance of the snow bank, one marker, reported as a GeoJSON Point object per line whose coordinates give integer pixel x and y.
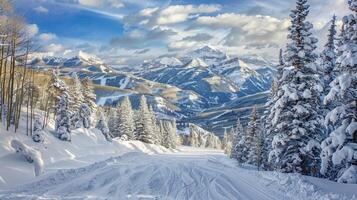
{"type": "Point", "coordinates": [86, 147]}
{"type": "Point", "coordinates": [31, 155]}
{"type": "Point", "coordinates": [296, 186]}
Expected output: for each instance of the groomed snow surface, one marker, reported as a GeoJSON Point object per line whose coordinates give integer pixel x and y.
{"type": "Point", "coordinates": [89, 167]}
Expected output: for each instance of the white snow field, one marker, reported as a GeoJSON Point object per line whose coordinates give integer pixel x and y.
{"type": "Point", "coordinates": [89, 167]}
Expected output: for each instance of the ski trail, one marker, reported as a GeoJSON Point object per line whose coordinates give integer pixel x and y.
{"type": "Point", "coordinates": [191, 174]}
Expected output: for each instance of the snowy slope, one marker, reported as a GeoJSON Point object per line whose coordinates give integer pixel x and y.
{"type": "Point", "coordinates": [86, 147]}
{"type": "Point", "coordinates": [189, 174]}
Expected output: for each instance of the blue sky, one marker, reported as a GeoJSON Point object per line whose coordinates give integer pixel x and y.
{"type": "Point", "coordinates": [128, 32]}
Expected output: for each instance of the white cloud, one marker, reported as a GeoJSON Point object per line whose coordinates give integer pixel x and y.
{"type": "Point", "coordinates": [31, 30]}
{"type": "Point", "coordinates": [248, 30]}
{"type": "Point", "coordinates": [102, 3]}
{"type": "Point", "coordinates": [90, 2]}
{"type": "Point", "coordinates": [41, 9]}
{"type": "Point", "coordinates": [181, 45]}
{"type": "Point", "coordinates": [148, 12]}
{"type": "Point", "coordinates": [180, 13]}
{"type": "Point", "coordinates": [47, 36]}
{"type": "Point", "coordinates": [55, 48]}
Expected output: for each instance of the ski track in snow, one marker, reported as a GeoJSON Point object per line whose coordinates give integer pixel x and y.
{"type": "Point", "coordinates": [191, 174]}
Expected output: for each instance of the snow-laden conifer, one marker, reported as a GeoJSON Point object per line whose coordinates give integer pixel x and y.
{"type": "Point", "coordinates": [103, 127]}
{"type": "Point", "coordinates": [125, 119]}
{"type": "Point", "coordinates": [38, 133]}
{"type": "Point", "coordinates": [295, 115]}
{"type": "Point", "coordinates": [339, 150]}
{"type": "Point", "coordinates": [62, 126]}
{"type": "Point", "coordinates": [144, 126]}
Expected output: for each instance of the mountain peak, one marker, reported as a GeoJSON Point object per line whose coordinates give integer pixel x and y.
{"type": "Point", "coordinates": [196, 62]}
{"type": "Point", "coordinates": [91, 59]}
{"type": "Point", "coordinates": [169, 61]}
{"type": "Point", "coordinates": [208, 54]}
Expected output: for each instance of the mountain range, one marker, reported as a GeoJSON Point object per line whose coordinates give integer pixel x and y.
{"type": "Point", "coordinates": [204, 85]}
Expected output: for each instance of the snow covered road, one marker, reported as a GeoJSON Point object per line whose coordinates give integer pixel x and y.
{"type": "Point", "coordinates": [189, 174]}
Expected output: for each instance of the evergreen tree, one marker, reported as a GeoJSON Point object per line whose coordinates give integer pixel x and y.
{"type": "Point", "coordinates": [125, 119]}
{"type": "Point", "coordinates": [339, 150]}
{"type": "Point", "coordinates": [252, 139]}
{"type": "Point", "coordinates": [168, 132]}
{"type": "Point", "coordinates": [266, 119]}
{"type": "Point", "coordinates": [75, 90]}
{"type": "Point", "coordinates": [82, 117]}
{"type": "Point", "coordinates": [144, 129]}
{"type": "Point", "coordinates": [266, 122]}
{"type": "Point", "coordinates": [62, 126]}
{"type": "Point", "coordinates": [55, 88]}
{"type": "Point", "coordinates": [103, 127]}
{"type": "Point", "coordinates": [154, 124]}
{"type": "Point", "coordinates": [37, 135]}
{"type": "Point", "coordinates": [329, 56]}
{"type": "Point", "coordinates": [296, 121]}
{"type": "Point", "coordinates": [112, 121]}
{"type": "Point", "coordinates": [236, 151]}
{"type": "Point", "coordinates": [88, 94]}
{"type": "Point", "coordinates": [227, 142]}
{"type": "Point", "coordinates": [261, 148]}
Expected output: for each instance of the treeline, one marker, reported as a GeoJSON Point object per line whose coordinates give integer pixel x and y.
{"type": "Point", "coordinates": [71, 102]}
{"type": "Point", "coordinates": [198, 137]}
{"type": "Point", "coordinates": [127, 124]}
{"type": "Point", "coordinates": [310, 124]}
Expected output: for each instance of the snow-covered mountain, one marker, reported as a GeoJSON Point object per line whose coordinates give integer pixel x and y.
{"type": "Point", "coordinates": [197, 86]}
{"type": "Point", "coordinates": [195, 76]}
{"type": "Point", "coordinates": [80, 62]}
{"type": "Point", "coordinates": [208, 54]}
{"type": "Point", "coordinates": [212, 74]}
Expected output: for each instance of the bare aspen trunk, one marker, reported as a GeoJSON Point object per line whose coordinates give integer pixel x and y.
{"type": "Point", "coordinates": [19, 104]}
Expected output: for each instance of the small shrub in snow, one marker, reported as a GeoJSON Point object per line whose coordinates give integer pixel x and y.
{"type": "Point", "coordinates": [30, 154]}
{"type": "Point", "coordinates": [124, 137]}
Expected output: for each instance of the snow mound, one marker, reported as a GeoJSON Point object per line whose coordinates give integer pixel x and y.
{"type": "Point", "coordinates": [30, 154]}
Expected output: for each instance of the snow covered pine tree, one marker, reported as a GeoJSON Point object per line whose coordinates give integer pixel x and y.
{"type": "Point", "coordinates": [296, 122]}
{"type": "Point", "coordinates": [252, 139]}
{"type": "Point", "coordinates": [144, 129]}
{"type": "Point", "coordinates": [75, 90]}
{"type": "Point", "coordinates": [88, 94]}
{"type": "Point", "coordinates": [168, 132]}
{"type": "Point", "coordinates": [62, 126]}
{"type": "Point", "coordinates": [37, 135]}
{"type": "Point", "coordinates": [125, 119]}
{"type": "Point", "coordinates": [103, 127]}
{"type": "Point", "coordinates": [339, 150]}
{"type": "Point", "coordinates": [82, 117]}
{"type": "Point", "coordinates": [236, 151]}
{"type": "Point", "coordinates": [328, 56]}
